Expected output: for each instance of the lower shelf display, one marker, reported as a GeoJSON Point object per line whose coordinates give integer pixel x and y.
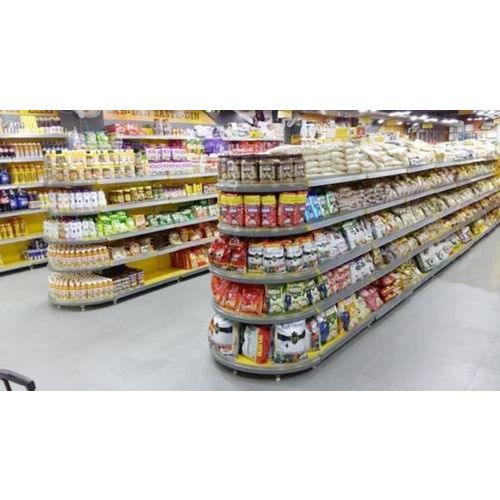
{"type": "Point", "coordinates": [283, 348]}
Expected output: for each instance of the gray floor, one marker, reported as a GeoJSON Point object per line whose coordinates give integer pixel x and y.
{"type": "Point", "coordinates": [447, 336]}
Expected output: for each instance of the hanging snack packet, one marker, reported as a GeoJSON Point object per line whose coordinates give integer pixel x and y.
{"type": "Point", "coordinates": [269, 212]}
{"type": "Point", "coordinates": [286, 209]}
{"type": "Point", "coordinates": [312, 292]}
{"type": "Point", "coordinates": [289, 342]}
{"type": "Point", "coordinates": [252, 210]}
{"type": "Point", "coordinates": [331, 317]}
{"type": "Point", "coordinates": [256, 343]}
{"type": "Point", "coordinates": [223, 336]}
{"type": "Point", "coordinates": [295, 296]}
{"type": "Point", "coordinates": [274, 257]}
{"type": "Point", "coordinates": [256, 256]}
{"type": "Point", "coordinates": [309, 251]}
{"type": "Point", "coordinates": [293, 255]}
{"type": "Point", "coordinates": [313, 335]}
{"type": "Point", "coordinates": [252, 300]}
{"type": "Point", "coordinates": [275, 299]}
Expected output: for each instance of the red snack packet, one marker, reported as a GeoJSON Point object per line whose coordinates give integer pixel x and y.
{"type": "Point", "coordinates": [219, 253]}
{"type": "Point", "coordinates": [252, 300]}
{"type": "Point", "coordinates": [342, 276]}
{"type": "Point", "coordinates": [372, 297]}
{"type": "Point", "coordinates": [300, 207]}
{"type": "Point", "coordinates": [238, 260]}
{"type": "Point", "coordinates": [232, 299]}
{"type": "Point", "coordinates": [219, 287]}
{"type": "Point", "coordinates": [235, 212]}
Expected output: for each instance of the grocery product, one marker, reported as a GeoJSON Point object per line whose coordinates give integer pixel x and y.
{"type": "Point", "coordinates": [289, 342]}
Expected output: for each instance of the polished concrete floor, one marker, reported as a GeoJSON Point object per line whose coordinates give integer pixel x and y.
{"type": "Point", "coordinates": [446, 336]}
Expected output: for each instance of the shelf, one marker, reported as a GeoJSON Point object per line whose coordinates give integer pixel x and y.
{"type": "Point", "coordinates": [130, 234]}
{"type": "Point", "coordinates": [242, 364]}
{"type": "Point", "coordinates": [341, 178]}
{"type": "Point", "coordinates": [275, 187]}
{"type": "Point", "coordinates": [28, 185]}
{"type": "Point", "coordinates": [346, 292]}
{"type": "Point", "coordinates": [22, 160]}
{"type": "Point", "coordinates": [33, 136]}
{"type": "Point", "coordinates": [17, 213]}
{"type": "Point", "coordinates": [153, 137]}
{"type": "Point", "coordinates": [159, 278]}
{"type": "Point", "coordinates": [26, 237]}
{"type": "Point", "coordinates": [129, 180]}
{"type": "Point", "coordinates": [252, 139]}
{"type": "Point", "coordinates": [21, 265]}
{"type": "Point", "coordinates": [139, 204]}
{"type": "Point", "coordinates": [135, 258]}
{"type": "Point", "coordinates": [340, 216]}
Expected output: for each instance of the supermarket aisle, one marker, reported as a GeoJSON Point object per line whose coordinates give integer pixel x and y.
{"type": "Point", "coordinates": [445, 337]}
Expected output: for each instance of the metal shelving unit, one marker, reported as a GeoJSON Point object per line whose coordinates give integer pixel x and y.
{"type": "Point", "coordinates": [342, 216]}
{"type": "Point", "coordinates": [133, 205]}
{"type": "Point", "coordinates": [274, 187]}
{"type": "Point", "coordinates": [17, 213]}
{"type": "Point", "coordinates": [22, 265]}
{"type": "Point", "coordinates": [135, 258]}
{"type": "Point", "coordinates": [327, 264]}
{"type": "Point", "coordinates": [169, 278]}
{"type": "Point", "coordinates": [130, 234]}
{"type": "Point", "coordinates": [34, 136]}
{"type": "Point", "coordinates": [129, 180]}
{"type": "Point", "coordinates": [241, 364]}
{"type": "Point", "coordinates": [26, 237]}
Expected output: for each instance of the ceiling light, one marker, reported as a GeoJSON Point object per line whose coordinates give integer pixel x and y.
{"type": "Point", "coordinates": [400, 123]}
{"type": "Point", "coordinates": [413, 118]}
{"type": "Point", "coordinates": [480, 113]}
{"type": "Point", "coordinates": [423, 117]}
{"type": "Point", "coordinates": [380, 121]}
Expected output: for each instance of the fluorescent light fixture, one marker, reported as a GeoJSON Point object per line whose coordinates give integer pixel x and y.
{"type": "Point", "coordinates": [400, 123]}
{"type": "Point", "coordinates": [423, 117]}
{"type": "Point", "coordinates": [380, 121]}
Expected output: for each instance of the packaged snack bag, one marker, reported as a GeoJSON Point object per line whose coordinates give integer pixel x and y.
{"type": "Point", "coordinates": [372, 297]}
{"type": "Point", "coordinates": [232, 299]}
{"type": "Point", "coordinates": [286, 209]}
{"type": "Point", "coordinates": [309, 214]}
{"type": "Point", "coordinates": [386, 280]}
{"type": "Point", "coordinates": [342, 276]}
{"type": "Point", "coordinates": [256, 256]}
{"type": "Point", "coordinates": [322, 285]}
{"type": "Point", "coordinates": [238, 250]}
{"type": "Point", "coordinates": [252, 300]}
{"type": "Point", "coordinates": [275, 299]}
{"type": "Point", "coordinates": [235, 211]}
{"type": "Point", "coordinates": [324, 328]}
{"type": "Point", "coordinates": [323, 244]}
{"type": "Point", "coordinates": [289, 342]}
{"type": "Point", "coordinates": [256, 343]}
{"type": "Point", "coordinates": [313, 335]}
{"type": "Point", "coordinates": [323, 205]}
{"type": "Point", "coordinates": [219, 253]}
{"type": "Point", "coordinates": [300, 208]}
{"type": "Point", "coordinates": [377, 259]}
{"type": "Point", "coordinates": [293, 255]}
{"type": "Point", "coordinates": [312, 292]}
{"type": "Point", "coordinates": [269, 212]}
{"type": "Point", "coordinates": [332, 283]}
{"type": "Point", "coordinates": [223, 208]}
{"type": "Point", "coordinates": [309, 251]}
{"type": "Point", "coordinates": [362, 309]}
{"type": "Point", "coordinates": [331, 317]}
{"type": "Point", "coordinates": [274, 257]}
{"type": "Point", "coordinates": [223, 335]}
{"type": "Point", "coordinates": [219, 288]}
{"type": "Point", "coordinates": [295, 296]}
{"type": "Point", "coordinates": [252, 210]}
{"type": "Point", "coordinates": [331, 202]}
{"type": "Point", "coordinates": [346, 312]}
{"type": "Point", "coordinates": [338, 244]}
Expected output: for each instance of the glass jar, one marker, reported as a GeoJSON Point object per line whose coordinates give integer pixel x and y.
{"type": "Point", "coordinates": [267, 168]}
{"type": "Point", "coordinates": [249, 169]}
{"type": "Point", "coordinates": [285, 169]}
{"type": "Point", "coordinates": [234, 168]}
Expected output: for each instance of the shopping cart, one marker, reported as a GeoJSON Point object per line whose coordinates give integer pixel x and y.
{"type": "Point", "coordinates": [7, 377]}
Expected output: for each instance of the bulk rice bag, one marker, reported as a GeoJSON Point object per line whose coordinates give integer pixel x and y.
{"type": "Point", "coordinates": [223, 336]}
{"type": "Point", "coordinates": [275, 299]}
{"type": "Point", "coordinates": [255, 258]}
{"type": "Point", "coordinates": [290, 342]}
{"type": "Point", "coordinates": [256, 343]}
{"type": "Point", "coordinates": [293, 255]}
{"type": "Point", "coordinates": [295, 296]}
{"type": "Point", "coordinates": [312, 292]}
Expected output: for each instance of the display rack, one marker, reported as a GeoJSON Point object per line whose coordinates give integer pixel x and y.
{"type": "Point", "coordinates": [157, 264]}
{"type": "Point", "coordinates": [240, 363]}
{"type": "Point", "coordinates": [12, 253]}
